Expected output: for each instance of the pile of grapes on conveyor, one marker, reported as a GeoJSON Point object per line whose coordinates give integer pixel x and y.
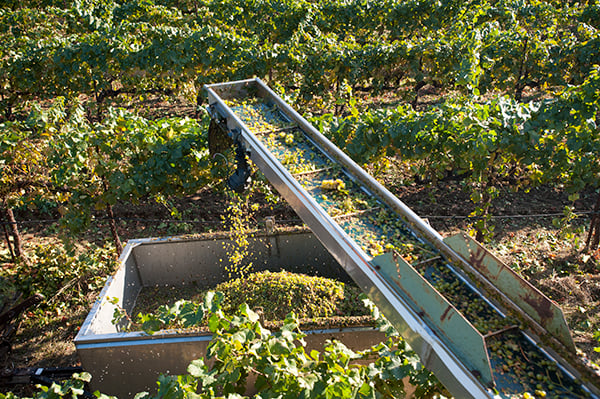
{"type": "Point", "coordinates": [520, 369]}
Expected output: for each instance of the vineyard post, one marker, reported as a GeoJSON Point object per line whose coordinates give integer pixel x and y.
{"type": "Point", "coordinates": [111, 216]}
{"type": "Point", "coordinates": [482, 227]}
{"type": "Point", "coordinates": [593, 238]}
{"type": "Point", "coordinates": [487, 194]}
{"type": "Point", "coordinates": [337, 110]}
{"type": "Point", "coordinates": [7, 104]}
{"type": "Point", "coordinates": [99, 95]}
{"type": "Point", "coordinates": [418, 86]}
{"type": "Point", "coordinates": [111, 221]}
{"type": "Point", "coordinates": [199, 100]}
{"type": "Point", "coordinates": [8, 244]}
{"type": "Point", "coordinates": [14, 230]}
{"type": "Point", "coordinates": [521, 79]}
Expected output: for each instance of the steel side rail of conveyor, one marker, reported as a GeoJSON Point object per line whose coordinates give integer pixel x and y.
{"type": "Point", "coordinates": [446, 342]}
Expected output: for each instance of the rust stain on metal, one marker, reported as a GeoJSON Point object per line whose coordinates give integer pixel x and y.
{"type": "Point", "coordinates": [445, 314]}
{"type": "Point", "coordinates": [476, 258]}
{"type": "Point", "coordinates": [541, 306]}
{"type": "Point", "coordinates": [397, 281]}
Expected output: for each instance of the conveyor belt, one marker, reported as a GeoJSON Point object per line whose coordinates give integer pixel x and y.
{"type": "Point", "coordinates": [483, 330]}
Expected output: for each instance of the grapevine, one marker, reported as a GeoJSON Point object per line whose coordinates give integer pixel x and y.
{"type": "Point", "coordinates": [516, 106]}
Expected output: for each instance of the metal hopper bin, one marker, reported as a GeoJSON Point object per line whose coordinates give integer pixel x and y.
{"type": "Point", "coordinates": [125, 363]}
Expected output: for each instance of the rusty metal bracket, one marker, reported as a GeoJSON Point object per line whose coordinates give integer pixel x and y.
{"type": "Point", "coordinates": [529, 299]}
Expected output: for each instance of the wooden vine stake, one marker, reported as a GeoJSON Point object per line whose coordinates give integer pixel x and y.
{"type": "Point", "coordinates": [113, 224]}
{"type": "Point", "coordinates": [8, 244]}
{"type": "Point", "coordinates": [593, 238]}
{"type": "Point", "coordinates": [16, 250]}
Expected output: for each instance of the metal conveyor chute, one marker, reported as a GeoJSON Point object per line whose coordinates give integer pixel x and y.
{"type": "Point", "coordinates": [482, 329]}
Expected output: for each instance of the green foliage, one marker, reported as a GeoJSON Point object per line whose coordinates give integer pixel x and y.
{"type": "Point", "coordinates": [57, 156]}
{"type": "Point", "coordinates": [72, 388]}
{"type": "Point", "coordinates": [316, 300]}
{"type": "Point", "coordinates": [107, 48]}
{"type": "Point", "coordinates": [24, 149]}
{"type": "Point", "coordinates": [488, 144]}
{"type": "Point", "coordinates": [567, 230]}
{"type": "Point", "coordinates": [63, 277]}
{"type": "Point", "coordinates": [241, 347]}
{"type": "Point", "coordinates": [126, 158]}
{"type": "Point", "coordinates": [183, 314]}
{"type": "Point", "coordinates": [325, 51]}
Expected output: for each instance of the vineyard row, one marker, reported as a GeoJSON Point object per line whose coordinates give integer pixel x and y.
{"type": "Point", "coordinates": [104, 48]}
{"type": "Point", "coordinates": [59, 155]}
{"type": "Point", "coordinates": [489, 145]}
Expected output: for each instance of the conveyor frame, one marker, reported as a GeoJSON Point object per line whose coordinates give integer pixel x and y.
{"type": "Point", "coordinates": [461, 379]}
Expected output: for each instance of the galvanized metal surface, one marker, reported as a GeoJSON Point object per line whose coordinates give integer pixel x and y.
{"type": "Point", "coordinates": [125, 368]}
{"type": "Point", "coordinates": [125, 363]}
{"type": "Point", "coordinates": [438, 357]}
